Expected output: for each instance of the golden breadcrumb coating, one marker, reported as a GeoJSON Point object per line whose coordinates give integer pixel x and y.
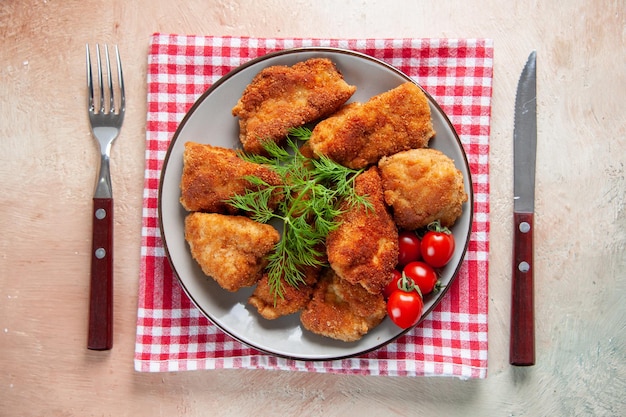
{"type": "Point", "coordinates": [341, 310]}
{"type": "Point", "coordinates": [281, 97]}
{"type": "Point", "coordinates": [212, 175]}
{"type": "Point", "coordinates": [293, 298]}
{"type": "Point", "coordinates": [360, 134]}
{"type": "Point", "coordinates": [230, 249]}
{"type": "Point", "coordinates": [364, 248]}
{"type": "Point", "coordinates": [421, 186]}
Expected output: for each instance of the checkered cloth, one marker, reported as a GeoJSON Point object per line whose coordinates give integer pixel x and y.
{"type": "Point", "coordinates": [172, 334]}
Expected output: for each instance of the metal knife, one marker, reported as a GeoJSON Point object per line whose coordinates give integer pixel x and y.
{"type": "Point", "coordinates": [522, 347]}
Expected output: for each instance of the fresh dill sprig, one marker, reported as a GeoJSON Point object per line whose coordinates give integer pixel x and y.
{"type": "Point", "coordinates": [259, 206]}
{"type": "Point", "coordinates": [301, 133]}
{"type": "Point", "coordinates": [313, 191]}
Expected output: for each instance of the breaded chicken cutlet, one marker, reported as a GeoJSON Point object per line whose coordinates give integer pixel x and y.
{"type": "Point", "coordinates": [341, 310]}
{"type": "Point", "coordinates": [361, 133]}
{"type": "Point", "coordinates": [212, 175]}
{"type": "Point", "coordinates": [293, 298]}
{"type": "Point", "coordinates": [421, 186]}
{"type": "Point", "coordinates": [230, 249]}
{"type": "Point", "coordinates": [280, 98]}
{"type": "Point", "coordinates": [364, 248]}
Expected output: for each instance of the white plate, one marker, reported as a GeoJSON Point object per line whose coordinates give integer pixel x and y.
{"type": "Point", "coordinates": [210, 121]}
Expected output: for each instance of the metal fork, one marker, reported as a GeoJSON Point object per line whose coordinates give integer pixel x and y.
{"type": "Point", "coordinates": [106, 115]}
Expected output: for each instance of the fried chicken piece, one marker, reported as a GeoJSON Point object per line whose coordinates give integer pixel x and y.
{"type": "Point", "coordinates": [361, 133]}
{"type": "Point", "coordinates": [364, 248]}
{"type": "Point", "coordinates": [421, 186]}
{"type": "Point", "coordinates": [212, 175]}
{"type": "Point", "coordinates": [281, 97]}
{"type": "Point", "coordinates": [341, 310]}
{"type": "Point", "coordinates": [293, 298]}
{"type": "Point", "coordinates": [230, 249]}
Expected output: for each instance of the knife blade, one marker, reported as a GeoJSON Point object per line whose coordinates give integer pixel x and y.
{"type": "Point", "coordinates": [522, 343]}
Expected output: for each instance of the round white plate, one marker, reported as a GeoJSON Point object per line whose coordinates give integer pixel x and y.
{"type": "Point", "coordinates": [210, 121]}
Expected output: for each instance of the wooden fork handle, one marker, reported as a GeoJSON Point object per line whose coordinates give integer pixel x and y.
{"type": "Point", "coordinates": [100, 335]}
{"type": "Point", "coordinates": [522, 347]}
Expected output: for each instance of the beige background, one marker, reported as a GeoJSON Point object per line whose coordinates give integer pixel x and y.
{"type": "Point", "coordinates": [47, 172]}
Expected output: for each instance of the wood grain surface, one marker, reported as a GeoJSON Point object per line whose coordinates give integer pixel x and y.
{"type": "Point", "coordinates": [48, 166]}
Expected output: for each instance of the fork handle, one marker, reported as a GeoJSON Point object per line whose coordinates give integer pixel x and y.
{"type": "Point", "coordinates": [101, 291]}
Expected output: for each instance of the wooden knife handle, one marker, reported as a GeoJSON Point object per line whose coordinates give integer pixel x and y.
{"type": "Point", "coordinates": [101, 292]}
{"type": "Point", "coordinates": [522, 347]}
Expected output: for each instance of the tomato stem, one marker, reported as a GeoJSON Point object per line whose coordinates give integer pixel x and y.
{"type": "Point", "coordinates": [407, 284]}
{"type": "Point", "coordinates": [437, 227]}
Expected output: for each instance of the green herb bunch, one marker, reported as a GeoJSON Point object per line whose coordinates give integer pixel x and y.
{"type": "Point", "coordinates": [312, 191]}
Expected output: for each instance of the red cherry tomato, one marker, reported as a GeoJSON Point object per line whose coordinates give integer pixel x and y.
{"type": "Point", "coordinates": [423, 275]}
{"type": "Point", "coordinates": [409, 247]}
{"type": "Point", "coordinates": [437, 246]}
{"type": "Point", "coordinates": [393, 284]}
{"type": "Point", "coordinates": [405, 308]}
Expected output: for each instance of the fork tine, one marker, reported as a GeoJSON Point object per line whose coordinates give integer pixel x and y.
{"type": "Point", "coordinates": [100, 83]}
{"type": "Point", "coordinates": [89, 78]}
{"type": "Point", "coordinates": [120, 78]}
{"type": "Point", "coordinates": [109, 80]}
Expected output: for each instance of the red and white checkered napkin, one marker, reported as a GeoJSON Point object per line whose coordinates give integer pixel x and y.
{"type": "Point", "coordinates": [172, 334]}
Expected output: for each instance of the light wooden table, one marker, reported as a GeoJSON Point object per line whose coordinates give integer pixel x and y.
{"type": "Point", "coordinates": [47, 161]}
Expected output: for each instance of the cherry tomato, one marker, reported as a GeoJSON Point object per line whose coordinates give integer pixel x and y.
{"type": "Point", "coordinates": [423, 275]}
{"type": "Point", "coordinates": [405, 308]}
{"type": "Point", "coordinates": [437, 246]}
{"type": "Point", "coordinates": [409, 247]}
{"type": "Point", "coordinates": [393, 284]}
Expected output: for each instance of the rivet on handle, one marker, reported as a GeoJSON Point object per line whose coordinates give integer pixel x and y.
{"type": "Point", "coordinates": [524, 227]}
{"type": "Point", "coordinates": [101, 214]}
{"type": "Point", "coordinates": [524, 266]}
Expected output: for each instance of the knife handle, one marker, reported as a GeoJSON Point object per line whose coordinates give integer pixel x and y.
{"type": "Point", "coordinates": [100, 335]}
{"type": "Point", "coordinates": [522, 347]}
